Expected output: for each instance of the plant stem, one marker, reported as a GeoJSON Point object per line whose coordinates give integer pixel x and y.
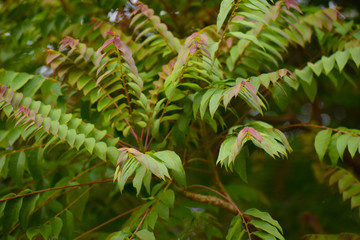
{"type": "Point", "coordinates": [316, 126]}
{"type": "Point", "coordinates": [56, 188]}
{"type": "Point", "coordinates": [107, 222]}
{"type": "Point", "coordinates": [212, 200]}
{"type": "Point", "coordinates": [226, 26]}
{"type": "Point", "coordinates": [230, 202]}
{"type": "Point", "coordinates": [141, 222]}
{"type": "Point", "coordinates": [23, 149]}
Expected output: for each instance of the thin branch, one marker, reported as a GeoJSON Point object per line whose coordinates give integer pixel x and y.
{"type": "Point", "coordinates": [162, 115]}
{"type": "Point", "coordinates": [22, 150]}
{"type": "Point", "coordinates": [107, 222]}
{"type": "Point", "coordinates": [124, 84]}
{"type": "Point", "coordinates": [120, 142]}
{"type": "Point", "coordinates": [87, 170]}
{"type": "Point", "coordinates": [170, 11]}
{"type": "Point", "coordinates": [316, 126]}
{"type": "Point", "coordinates": [141, 222]}
{"type": "Point", "coordinates": [56, 188]}
{"type": "Point", "coordinates": [212, 200]}
{"type": "Point", "coordinates": [147, 137]}
{"type": "Point", "coordinates": [229, 201]}
{"type": "Point", "coordinates": [218, 182]}
{"type": "Point", "coordinates": [41, 205]}
{"type": "Point", "coordinates": [198, 170]}
{"type": "Point", "coordinates": [73, 202]}
{"type": "Point", "coordinates": [65, 7]}
{"type": "Point", "coordinates": [142, 134]}
{"type": "Point", "coordinates": [227, 25]}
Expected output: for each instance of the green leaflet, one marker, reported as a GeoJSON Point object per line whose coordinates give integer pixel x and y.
{"type": "Point", "coordinates": [56, 226]}
{"type": "Point", "coordinates": [333, 152]}
{"type": "Point", "coordinates": [263, 216]}
{"type": "Point", "coordinates": [264, 235]}
{"type": "Point", "coordinates": [7, 77]}
{"type": "Point", "coordinates": [316, 67]}
{"type": "Point", "coordinates": [129, 168]}
{"type": "Point", "coordinates": [167, 197]}
{"type": "Point", "coordinates": [145, 234]}
{"type": "Point", "coordinates": [205, 101]}
{"type": "Point", "coordinates": [138, 179]}
{"type": "Point", "coordinates": [348, 185]}
{"type": "Point", "coordinates": [246, 36]}
{"type": "Point", "coordinates": [113, 154]}
{"type": "Point", "coordinates": [341, 144]}
{"type": "Point", "coordinates": [322, 141]}
{"type": "Point", "coordinates": [28, 206]}
{"type": "Point", "coordinates": [17, 167]}
{"type": "Point", "coordinates": [355, 54]}
{"type": "Point", "coordinates": [305, 74]}
{"type": "Point", "coordinates": [236, 232]}
{"type": "Point", "coordinates": [225, 8]}
{"type": "Point", "coordinates": [100, 150]}
{"type": "Point", "coordinates": [328, 63]}
{"type": "Point", "coordinates": [353, 145]}
{"type": "Point", "coordinates": [20, 80]}
{"type": "Point", "coordinates": [11, 214]}
{"type": "Point", "coordinates": [267, 228]}
{"type": "Point", "coordinates": [342, 58]}
{"type": "Point", "coordinates": [89, 144]}
{"type": "Point", "coordinates": [68, 224]}
{"type": "Point", "coordinates": [173, 162]}
{"type": "Point", "coordinates": [310, 89]}
{"type": "Point", "coordinates": [79, 198]}
{"type": "Point", "coordinates": [339, 236]}
{"type": "Point", "coordinates": [240, 166]}
{"type": "Point", "coordinates": [261, 135]}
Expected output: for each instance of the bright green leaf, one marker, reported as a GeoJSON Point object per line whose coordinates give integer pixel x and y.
{"type": "Point", "coordinates": [145, 234]}
{"type": "Point", "coordinates": [267, 228]}
{"type": "Point", "coordinates": [225, 8]}
{"type": "Point", "coordinates": [11, 214]}
{"type": "Point", "coordinates": [322, 141]}
{"type": "Point", "coordinates": [27, 207]}
{"type": "Point", "coordinates": [341, 144]}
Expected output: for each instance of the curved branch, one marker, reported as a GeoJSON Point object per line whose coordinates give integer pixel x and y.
{"type": "Point", "coordinates": [107, 222]}
{"type": "Point", "coordinates": [316, 126]}
{"type": "Point", "coordinates": [212, 200]}
{"type": "Point", "coordinates": [220, 203]}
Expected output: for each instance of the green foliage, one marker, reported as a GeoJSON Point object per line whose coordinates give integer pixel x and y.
{"type": "Point", "coordinates": [348, 185]}
{"type": "Point", "coordinates": [97, 92]}
{"type": "Point", "coordinates": [335, 237]}
{"type": "Point", "coordinates": [337, 143]}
